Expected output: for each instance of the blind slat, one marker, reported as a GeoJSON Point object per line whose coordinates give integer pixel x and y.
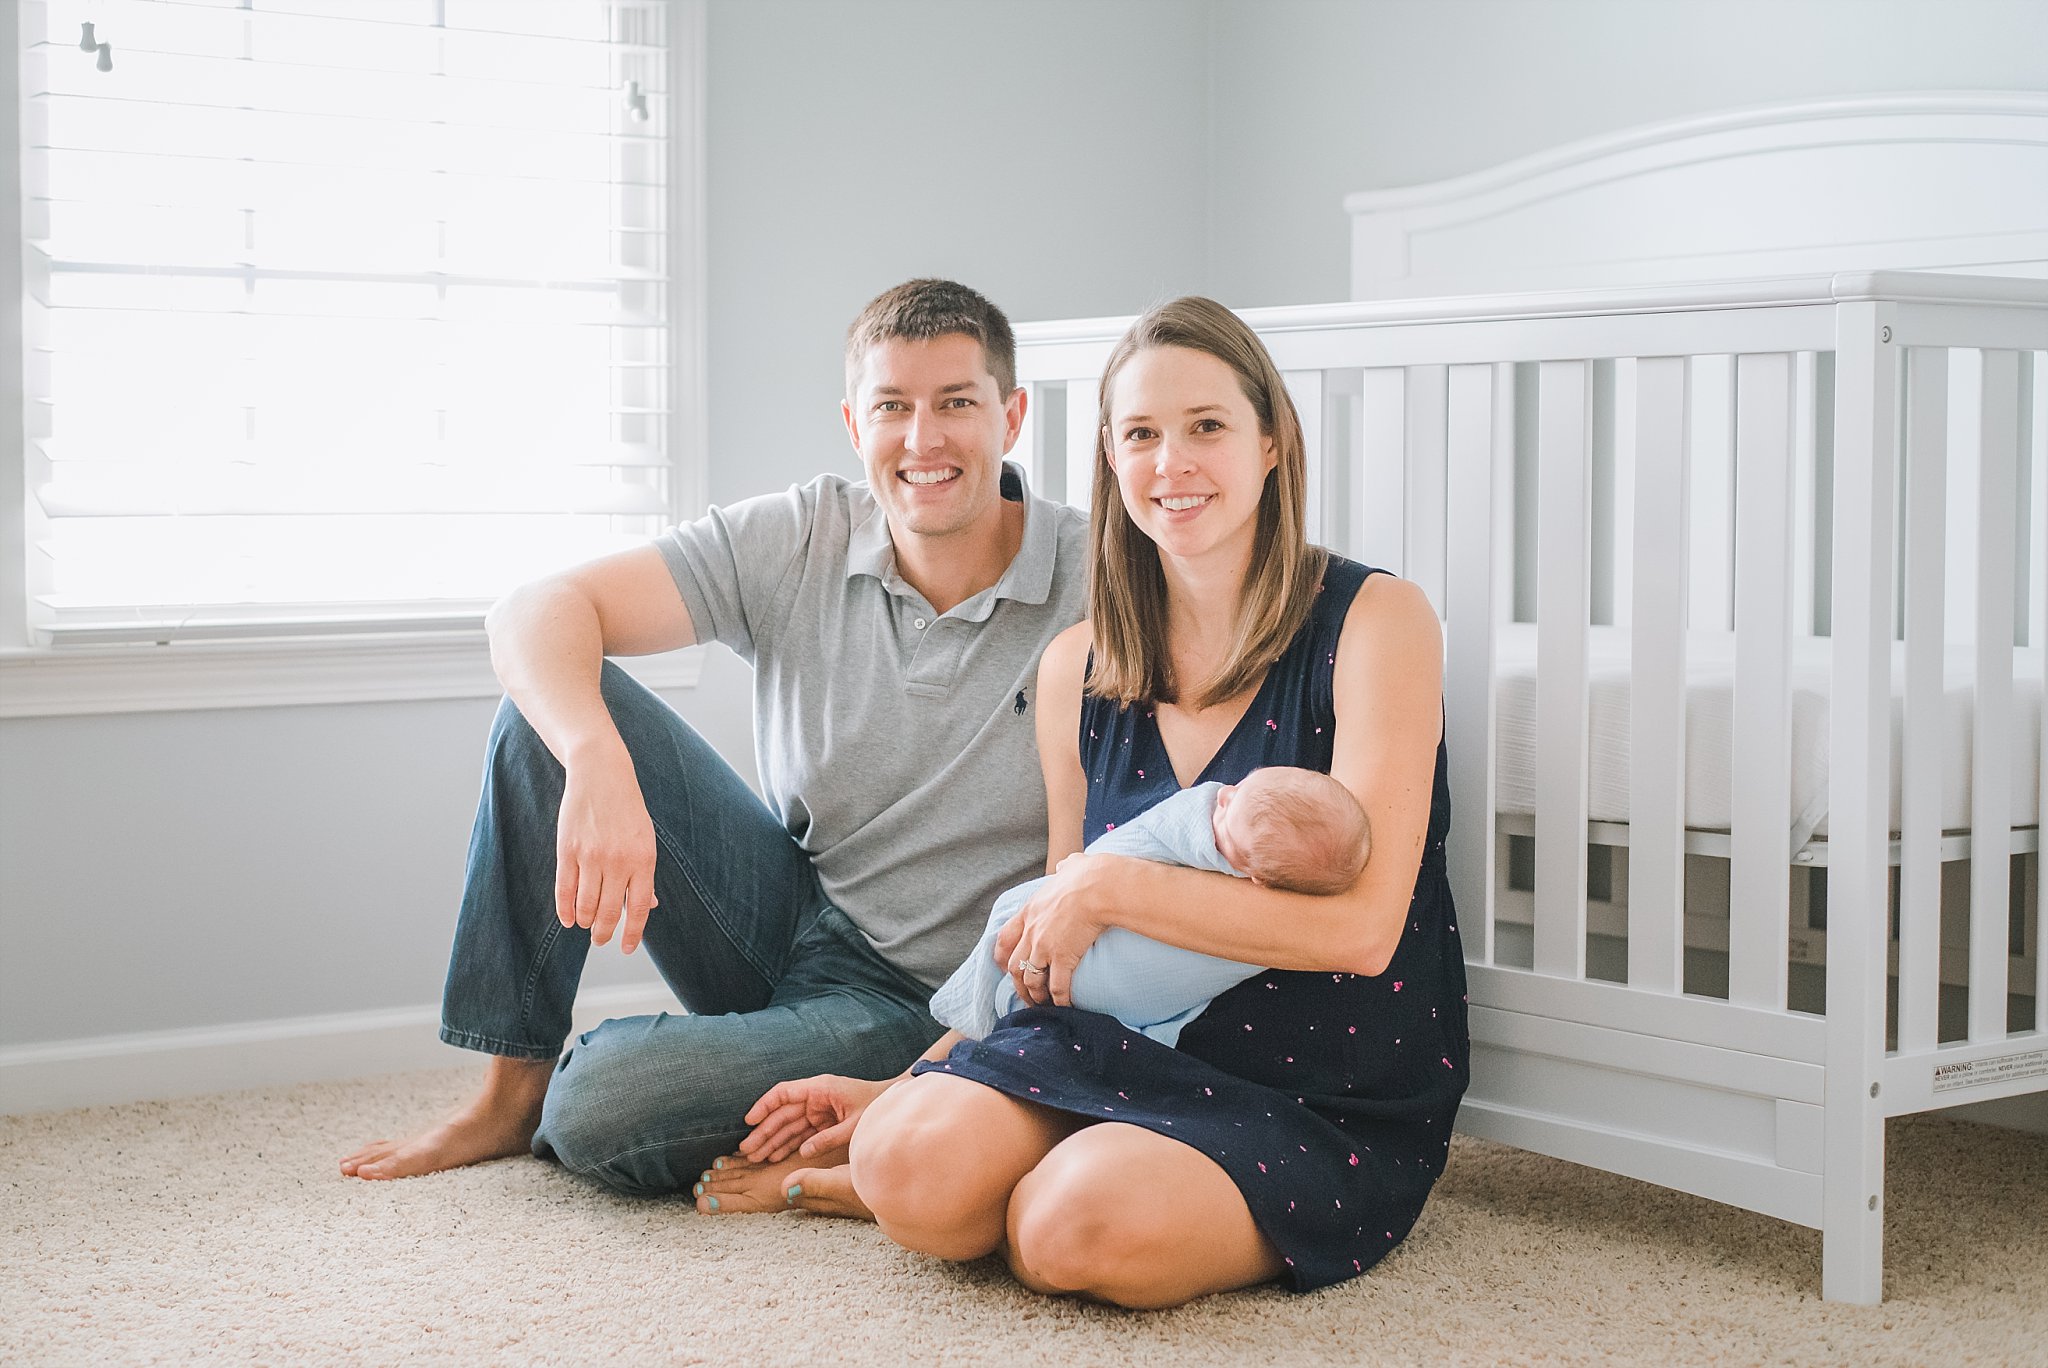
{"type": "Point", "coordinates": [277, 499]}
{"type": "Point", "coordinates": [493, 457]}
{"type": "Point", "coordinates": [207, 82]}
{"type": "Point", "coordinates": [237, 182]}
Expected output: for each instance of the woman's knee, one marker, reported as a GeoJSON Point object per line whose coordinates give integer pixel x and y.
{"type": "Point", "coordinates": [1118, 1214]}
{"type": "Point", "coordinates": [920, 1161]}
{"type": "Point", "coordinates": [1072, 1230]}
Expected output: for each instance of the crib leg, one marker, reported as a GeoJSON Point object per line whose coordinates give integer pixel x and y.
{"type": "Point", "coordinates": [1852, 1204]}
{"type": "Point", "coordinates": [1859, 747]}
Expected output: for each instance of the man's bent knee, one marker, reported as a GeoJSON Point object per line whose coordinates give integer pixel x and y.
{"type": "Point", "coordinates": [598, 1126]}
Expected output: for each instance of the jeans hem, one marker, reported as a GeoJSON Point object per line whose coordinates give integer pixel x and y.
{"type": "Point", "coordinates": [470, 1040]}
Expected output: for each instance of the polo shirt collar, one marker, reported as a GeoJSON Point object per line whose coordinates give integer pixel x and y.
{"type": "Point", "coordinates": [1028, 578]}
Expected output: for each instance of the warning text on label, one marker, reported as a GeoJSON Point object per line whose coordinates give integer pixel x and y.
{"type": "Point", "coordinates": [1977, 1073]}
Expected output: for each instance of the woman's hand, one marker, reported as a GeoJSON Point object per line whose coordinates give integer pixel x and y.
{"type": "Point", "coordinates": [1045, 940]}
{"type": "Point", "coordinates": [807, 1116]}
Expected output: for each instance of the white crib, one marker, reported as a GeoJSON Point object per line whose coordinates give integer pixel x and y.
{"type": "Point", "coordinates": [1745, 591]}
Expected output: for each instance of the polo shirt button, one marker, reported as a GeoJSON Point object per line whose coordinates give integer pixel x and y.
{"type": "Point", "coordinates": [918, 623]}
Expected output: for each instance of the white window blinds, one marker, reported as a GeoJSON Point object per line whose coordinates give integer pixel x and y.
{"type": "Point", "coordinates": [350, 313]}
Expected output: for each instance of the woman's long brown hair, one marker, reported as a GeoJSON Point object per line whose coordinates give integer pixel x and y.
{"type": "Point", "coordinates": [1127, 587]}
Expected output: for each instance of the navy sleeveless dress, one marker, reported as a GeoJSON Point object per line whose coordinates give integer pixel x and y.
{"type": "Point", "coordinates": [1327, 1098]}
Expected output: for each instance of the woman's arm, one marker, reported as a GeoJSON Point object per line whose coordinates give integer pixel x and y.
{"type": "Point", "coordinates": [1060, 672]}
{"type": "Point", "coordinates": [1389, 706]}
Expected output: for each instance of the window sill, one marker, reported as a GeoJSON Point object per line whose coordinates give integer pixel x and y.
{"type": "Point", "coordinates": [199, 675]}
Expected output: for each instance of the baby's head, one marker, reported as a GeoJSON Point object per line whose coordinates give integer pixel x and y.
{"type": "Point", "coordinates": [1293, 829]}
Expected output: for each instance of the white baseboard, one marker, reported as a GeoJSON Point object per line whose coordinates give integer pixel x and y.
{"type": "Point", "coordinates": [151, 1065]}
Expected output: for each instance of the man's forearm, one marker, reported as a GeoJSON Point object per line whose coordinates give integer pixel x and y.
{"type": "Point", "coordinates": [548, 650]}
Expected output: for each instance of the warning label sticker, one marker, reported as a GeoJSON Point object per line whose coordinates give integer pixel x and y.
{"type": "Point", "coordinates": [1977, 1073]}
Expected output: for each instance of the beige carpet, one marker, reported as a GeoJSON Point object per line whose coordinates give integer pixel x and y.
{"type": "Point", "coordinates": [217, 1230]}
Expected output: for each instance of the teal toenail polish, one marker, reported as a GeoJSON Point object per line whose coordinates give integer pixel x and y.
{"type": "Point", "coordinates": [711, 1202]}
{"type": "Point", "coordinates": [718, 1163]}
{"type": "Point", "coordinates": [697, 1191]}
{"type": "Point", "coordinates": [705, 1176]}
{"type": "Point", "coordinates": [796, 1190]}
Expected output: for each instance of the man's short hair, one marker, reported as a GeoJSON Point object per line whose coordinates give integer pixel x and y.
{"type": "Point", "coordinates": [920, 310]}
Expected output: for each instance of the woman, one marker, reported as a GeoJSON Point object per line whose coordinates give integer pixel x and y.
{"type": "Point", "coordinates": [1296, 1130]}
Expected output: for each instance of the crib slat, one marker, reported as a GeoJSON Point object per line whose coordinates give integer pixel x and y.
{"type": "Point", "coordinates": [1343, 460]}
{"type": "Point", "coordinates": [1472, 461]}
{"type": "Point", "coordinates": [1306, 389]}
{"type": "Point", "coordinates": [1920, 776]}
{"type": "Point", "coordinates": [1859, 782]}
{"type": "Point", "coordinates": [1601, 492]}
{"type": "Point", "coordinates": [1563, 459]}
{"type": "Point", "coordinates": [1760, 849]}
{"type": "Point", "coordinates": [1426, 509]}
{"type": "Point", "coordinates": [1656, 852]}
{"type": "Point", "coordinates": [1379, 495]}
{"type": "Point", "coordinates": [1084, 419]}
{"type": "Point", "coordinates": [1030, 446]}
{"type": "Point", "coordinates": [1711, 415]}
{"type": "Point", "coordinates": [1507, 392]}
{"type": "Point", "coordinates": [1805, 432]}
{"type": "Point", "coordinates": [1965, 373]}
{"type": "Point", "coordinates": [1991, 764]}
{"type": "Point", "coordinates": [2034, 386]}
{"type": "Point", "coordinates": [1621, 572]}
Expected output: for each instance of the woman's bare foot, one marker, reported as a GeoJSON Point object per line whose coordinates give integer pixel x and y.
{"type": "Point", "coordinates": [498, 1122]}
{"type": "Point", "coordinates": [820, 1183]}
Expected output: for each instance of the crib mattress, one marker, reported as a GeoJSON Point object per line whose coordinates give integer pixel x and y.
{"type": "Point", "coordinates": [1709, 728]}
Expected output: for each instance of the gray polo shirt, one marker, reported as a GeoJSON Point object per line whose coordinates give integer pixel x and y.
{"type": "Point", "coordinates": [895, 743]}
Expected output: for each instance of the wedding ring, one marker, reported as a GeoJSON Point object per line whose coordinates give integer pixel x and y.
{"type": "Point", "coordinates": [1027, 967]}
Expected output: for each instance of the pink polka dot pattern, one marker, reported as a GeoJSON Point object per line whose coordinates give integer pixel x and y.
{"type": "Point", "coordinates": [1327, 1097]}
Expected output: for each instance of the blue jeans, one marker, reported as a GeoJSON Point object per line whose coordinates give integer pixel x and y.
{"type": "Point", "coordinates": [776, 982]}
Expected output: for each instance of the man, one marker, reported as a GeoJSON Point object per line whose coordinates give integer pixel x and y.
{"type": "Point", "coordinates": [894, 628]}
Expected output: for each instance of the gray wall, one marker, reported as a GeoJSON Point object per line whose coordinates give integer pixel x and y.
{"type": "Point", "coordinates": [1052, 154]}
{"type": "Point", "coordinates": [1070, 157]}
{"type": "Point", "coordinates": [1317, 98]}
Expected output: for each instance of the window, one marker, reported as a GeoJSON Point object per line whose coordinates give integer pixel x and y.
{"type": "Point", "coordinates": [343, 315]}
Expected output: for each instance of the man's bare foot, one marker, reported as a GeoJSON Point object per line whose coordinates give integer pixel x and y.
{"type": "Point", "coordinates": [498, 1122]}
{"type": "Point", "coordinates": [820, 1183]}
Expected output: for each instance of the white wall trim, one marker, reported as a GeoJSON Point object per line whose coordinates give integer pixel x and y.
{"type": "Point", "coordinates": [185, 676]}
{"type": "Point", "coordinates": [151, 1065]}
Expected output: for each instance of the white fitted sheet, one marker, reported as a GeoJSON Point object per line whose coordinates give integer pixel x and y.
{"type": "Point", "coordinates": [1709, 711]}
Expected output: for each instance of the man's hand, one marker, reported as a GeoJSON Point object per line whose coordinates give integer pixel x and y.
{"type": "Point", "coordinates": [604, 851]}
{"type": "Point", "coordinates": [806, 1116]}
{"type": "Point", "coordinates": [1040, 946]}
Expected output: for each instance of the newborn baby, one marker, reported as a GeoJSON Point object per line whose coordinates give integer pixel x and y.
{"type": "Point", "coordinates": [1283, 827]}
